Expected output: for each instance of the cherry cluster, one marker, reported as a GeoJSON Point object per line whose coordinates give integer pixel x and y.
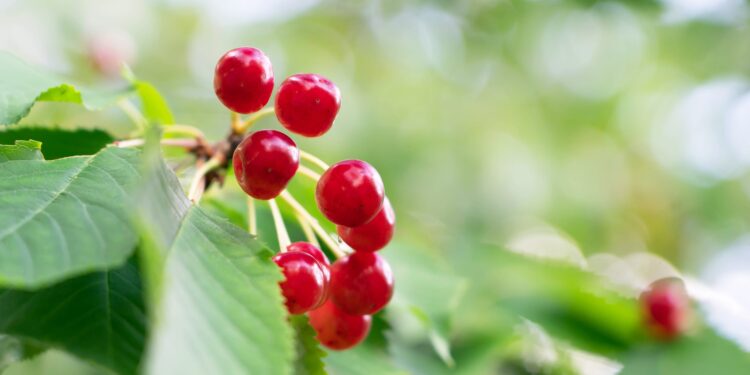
{"type": "Point", "coordinates": [339, 298]}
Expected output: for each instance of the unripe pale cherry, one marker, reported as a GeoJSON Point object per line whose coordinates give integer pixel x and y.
{"type": "Point", "coordinates": [305, 286]}
{"type": "Point", "coordinates": [307, 104]}
{"type": "Point", "coordinates": [350, 193]}
{"type": "Point", "coordinates": [361, 283]}
{"type": "Point", "coordinates": [373, 235]}
{"type": "Point", "coordinates": [338, 330]}
{"type": "Point", "coordinates": [243, 79]}
{"type": "Point", "coordinates": [264, 162]}
{"type": "Point", "coordinates": [666, 308]}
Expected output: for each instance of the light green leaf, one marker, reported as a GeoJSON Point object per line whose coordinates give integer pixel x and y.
{"type": "Point", "coordinates": [99, 316]}
{"type": "Point", "coordinates": [218, 306]}
{"type": "Point", "coordinates": [59, 143]}
{"type": "Point", "coordinates": [21, 150]}
{"type": "Point", "coordinates": [432, 300]}
{"type": "Point", "coordinates": [698, 353]}
{"type": "Point", "coordinates": [309, 354]}
{"type": "Point", "coordinates": [360, 360]}
{"type": "Point", "coordinates": [154, 106]}
{"type": "Point", "coordinates": [221, 310]}
{"type": "Point", "coordinates": [65, 217]}
{"type": "Point", "coordinates": [22, 85]}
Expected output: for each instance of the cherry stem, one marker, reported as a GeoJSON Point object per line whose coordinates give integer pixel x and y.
{"type": "Point", "coordinates": [308, 172]}
{"type": "Point", "coordinates": [313, 159]}
{"type": "Point", "coordinates": [198, 184]}
{"type": "Point", "coordinates": [252, 119]}
{"type": "Point", "coordinates": [252, 221]}
{"type": "Point", "coordinates": [307, 229]}
{"type": "Point", "coordinates": [187, 143]}
{"type": "Point", "coordinates": [183, 129]}
{"type": "Point", "coordinates": [235, 122]}
{"type": "Point", "coordinates": [278, 222]}
{"type": "Point", "coordinates": [329, 241]}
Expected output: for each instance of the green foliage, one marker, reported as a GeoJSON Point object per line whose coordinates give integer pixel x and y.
{"type": "Point", "coordinates": [98, 316]}
{"type": "Point", "coordinates": [59, 143]}
{"type": "Point", "coordinates": [223, 304]}
{"type": "Point", "coordinates": [62, 207]}
{"type": "Point", "coordinates": [21, 86]}
{"type": "Point", "coordinates": [21, 150]}
{"type": "Point", "coordinates": [309, 354]}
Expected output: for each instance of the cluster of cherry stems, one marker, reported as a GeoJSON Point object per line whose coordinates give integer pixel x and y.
{"type": "Point", "coordinates": [339, 298]}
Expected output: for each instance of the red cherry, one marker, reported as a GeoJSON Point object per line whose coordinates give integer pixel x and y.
{"type": "Point", "coordinates": [666, 308]}
{"type": "Point", "coordinates": [307, 104]}
{"type": "Point", "coordinates": [350, 193]}
{"type": "Point", "coordinates": [373, 235]}
{"type": "Point", "coordinates": [243, 79]}
{"type": "Point", "coordinates": [361, 283]}
{"type": "Point", "coordinates": [338, 330]}
{"type": "Point", "coordinates": [305, 285]}
{"type": "Point", "coordinates": [310, 249]}
{"type": "Point", "coordinates": [315, 252]}
{"type": "Point", "coordinates": [264, 162]}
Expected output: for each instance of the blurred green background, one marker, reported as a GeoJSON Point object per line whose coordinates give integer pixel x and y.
{"type": "Point", "coordinates": [606, 142]}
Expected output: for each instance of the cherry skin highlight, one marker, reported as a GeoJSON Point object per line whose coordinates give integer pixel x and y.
{"type": "Point", "coordinates": [373, 235]}
{"type": "Point", "coordinates": [338, 330]}
{"type": "Point", "coordinates": [264, 162]}
{"type": "Point", "coordinates": [310, 249]}
{"type": "Point", "coordinates": [305, 285]}
{"type": "Point", "coordinates": [361, 283]}
{"type": "Point", "coordinates": [307, 104]}
{"type": "Point", "coordinates": [666, 308]}
{"type": "Point", "coordinates": [243, 79]}
{"type": "Point", "coordinates": [350, 193]}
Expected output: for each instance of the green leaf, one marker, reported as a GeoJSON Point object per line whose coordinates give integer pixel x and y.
{"type": "Point", "coordinates": [361, 360]}
{"type": "Point", "coordinates": [155, 108]}
{"type": "Point", "coordinates": [222, 305]}
{"type": "Point", "coordinates": [99, 316]}
{"type": "Point", "coordinates": [65, 217]}
{"type": "Point", "coordinates": [22, 85]}
{"type": "Point", "coordinates": [218, 306]}
{"type": "Point", "coordinates": [58, 143]}
{"type": "Point", "coordinates": [697, 353]}
{"type": "Point", "coordinates": [21, 150]}
{"type": "Point", "coordinates": [309, 354]}
{"type": "Point", "coordinates": [432, 300]}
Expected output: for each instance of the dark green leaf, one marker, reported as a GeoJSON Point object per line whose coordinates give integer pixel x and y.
{"type": "Point", "coordinates": [58, 143]}
{"type": "Point", "coordinates": [65, 217]}
{"type": "Point", "coordinates": [99, 316]}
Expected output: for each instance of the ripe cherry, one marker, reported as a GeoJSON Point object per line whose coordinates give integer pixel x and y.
{"type": "Point", "coordinates": [307, 104]}
{"type": "Point", "coordinates": [243, 79]}
{"type": "Point", "coordinates": [264, 162]}
{"type": "Point", "coordinates": [338, 330]}
{"type": "Point", "coordinates": [373, 235]}
{"type": "Point", "coordinates": [315, 252]}
{"type": "Point", "coordinates": [305, 285]}
{"type": "Point", "coordinates": [310, 249]}
{"type": "Point", "coordinates": [666, 308]}
{"type": "Point", "coordinates": [361, 283]}
{"type": "Point", "coordinates": [350, 193]}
